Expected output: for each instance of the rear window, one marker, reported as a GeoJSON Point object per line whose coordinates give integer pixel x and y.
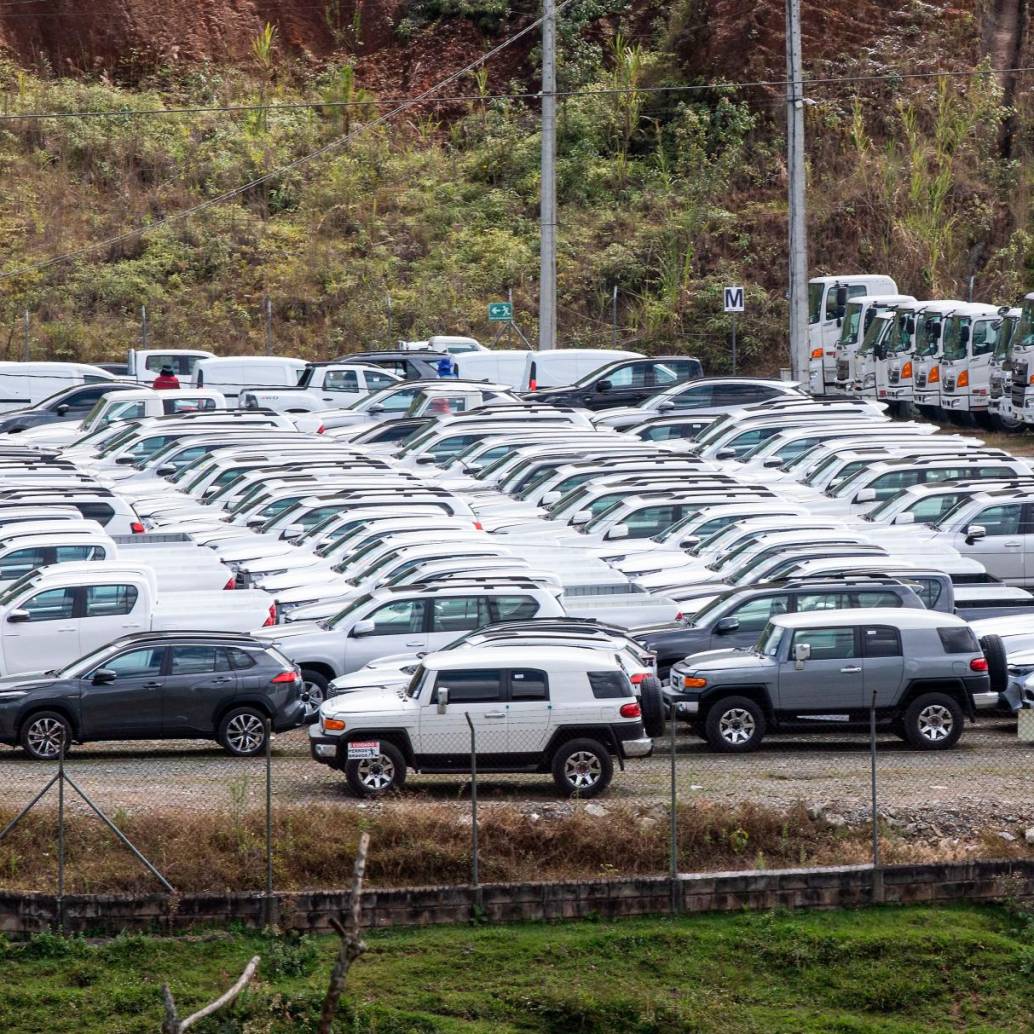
{"type": "Point", "coordinates": [958, 640]}
{"type": "Point", "coordinates": [609, 685]}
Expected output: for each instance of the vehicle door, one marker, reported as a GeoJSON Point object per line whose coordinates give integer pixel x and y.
{"type": "Point", "coordinates": [830, 681]}
{"type": "Point", "coordinates": [130, 706]}
{"type": "Point", "coordinates": [77, 404]}
{"type": "Point", "coordinates": [398, 627]}
{"type": "Point", "coordinates": [43, 632]}
{"type": "Point", "coordinates": [445, 738]}
{"type": "Point", "coordinates": [451, 616]}
{"type": "Point", "coordinates": [697, 396]}
{"type": "Point", "coordinates": [625, 385]}
{"type": "Point", "coordinates": [199, 683]}
{"type": "Point", "coordinates": [110, 612]}
{"type": "Point", "coordinates": [883, 664]}
{"type": "Point", "coordinates": [832, 316]}
{"type": "Point", "coordinates": [340, 387]}
{"type": "Point", "coordinates": [1001, 550]}
{"type": "Point", "coordinates": [528, 714]}
{"type": "Point", "coordinates": [750, 617]}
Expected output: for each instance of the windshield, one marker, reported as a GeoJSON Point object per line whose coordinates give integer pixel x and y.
{"type": "Point", "coordinates": [815, 292]}
{"type": "Point", "coordinates": [82, 665]}
{"type": "Point", "coordinates": [817, 472]}
{"type": "Point", "coordinates": [714, 610]}
{"type": "Point", "coordinates": [12, 590]}
{"type": "Point", "coordinates": [901, 336]}
{"type": "Point", "coordinates": [947, 519]}
{"type": "Point", "coordinates": [601, 509]}
{"type": "Point", "coordinates": [874, 330]}
{"type": "Point", "coordinates": [768, 642]}
{"type": "Point", "coordinates": [852, 321]}
{"type": "Point", "coordinates": [956, 337]}
{"type": "Point", "coordinates": [600, 371]}
{"type": "Point", "coordinates": [928, 333]}
{"type": "Point", "coordinates": [350, 610]}
{"type": "Point", "coordinates": [1005, 337]}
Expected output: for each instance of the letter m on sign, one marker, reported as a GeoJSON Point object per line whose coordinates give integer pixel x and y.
{"type": "Point", "coordinates": [734, 299]}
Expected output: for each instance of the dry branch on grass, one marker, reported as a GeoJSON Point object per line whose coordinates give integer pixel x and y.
{"type": "Point", "coordinates": [172, 1024]}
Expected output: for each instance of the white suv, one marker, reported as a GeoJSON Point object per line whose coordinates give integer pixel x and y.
{"type": "Point", "coordinates": [558, 710]}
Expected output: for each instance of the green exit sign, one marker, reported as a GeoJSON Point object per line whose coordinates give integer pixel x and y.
{"type": "Point", "coordinates": [500, 311]}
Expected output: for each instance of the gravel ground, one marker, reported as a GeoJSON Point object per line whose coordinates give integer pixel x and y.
{"type": "Point", "coordinates": [987, 781]}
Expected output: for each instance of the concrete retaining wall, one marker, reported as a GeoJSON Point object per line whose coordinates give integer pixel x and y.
{"type": "Point", "coordinates": [839, 887]}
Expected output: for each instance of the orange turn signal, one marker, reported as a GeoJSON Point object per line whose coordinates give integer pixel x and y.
{"type": "Point", "coordinates": [692, 682]}
{"type": "Point", "coordinates": [963, 381]}
{"type": "Point", "coordinates": [935, 375]}
{"type": "Point", "coordinates": [334, 724]}
{"type": "Point", "coordinates": [906, 371]}
{"type": "Point", "coordinates": [816, 353]}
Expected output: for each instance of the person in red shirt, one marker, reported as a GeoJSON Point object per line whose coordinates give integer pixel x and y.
{"type": "Point", "coordinates": [167, 379]}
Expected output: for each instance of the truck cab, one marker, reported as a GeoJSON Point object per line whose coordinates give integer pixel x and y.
{"type": "Point", "coordinates": [968, 341]}
{"type": "Point", "coordinates": [999, 395]}
{"type": "Point", "coordinates": [873, 348]}
{"type": "Point", "coordinates": [894, 360]}
{"type": "Point", "coordinates": [858, 317]}
{"type": "Point", "coordinates": [926, 370]}
{"type": "Point", "coordinates": [828, 297]}
{"type": "Point", "coordinates": [1023, 364]}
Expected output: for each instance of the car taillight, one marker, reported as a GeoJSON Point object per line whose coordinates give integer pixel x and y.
{"type": "Point", "coordinates": [978, 664]}
{"type": "Point", "coordinates": [230, 583]}
{"type": "Point", "coordinates": [816, 353]}
{"type": "Point", "coordinates": [638, 677]}
{"type": "Point", "coordinates": [320, 429]}
{"type": "Point", "coordinates": [680, 616]}
{"type": "Point", "coordinates": [285, 676]}
{"type": "Point", "coordinates": [533, 385]}
{"type": "Point", "coordinates": [935, 375]}
{"type": "Point", "coordinates": [479, 526]}
{"type": "Point", "coordinates": [137, 528]}
{"type": "Point", "coordinates": [630, 710]}
{"type": "Point", "coordinates": [906, 370]}
{"type": "Point", "coordinates": [271, 620]}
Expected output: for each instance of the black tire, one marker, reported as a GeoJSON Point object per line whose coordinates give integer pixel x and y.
{"type": "Point", "coordinates": [377, 777]}
{"type": "Point", "coordinates": [997, 662]}
{"type": "Point", "coordinates": [933, 721]}
{"type": "Point", "coordinates": [1000, 423]}
{"type": "Point", "coordinates": [314, 690]}
{"type": "Point", "coordinates": [582, 768]}
{"type": "Point", "coordinates": [652, 704]}
{"type": "Point", "coordinates": [735, 725]}
{"type": "Point", "coordinates": [242, 732]}
{"type": "Point", "coordinates": [42, 733]}
{"type": "Point", "coordinates": [930, 412]}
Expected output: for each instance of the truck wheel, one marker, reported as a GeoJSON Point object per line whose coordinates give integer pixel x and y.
{"type": "Point", "coordinates": [997, 662]}
{"type": "Point", "coordinates": [314, 690]}
{"type": "Point", "coordinates": [652, 705]}
{"type": "Point", "coordinates": [933, 721]}
{"type": "Point", "coordinates": [735, 725]}
{"type": "Point", "coordinates": [242, 732]}
{"type": "Point", "coordinates": [43, 733]}
{"type": "Point", "coordinates": [375, 777]}
{"type": "Point", "coordinates": [582, 768]}
{"type": "Point", "coordinates": [1007, 424]}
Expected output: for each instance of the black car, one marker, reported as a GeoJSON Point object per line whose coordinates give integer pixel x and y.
{"type": "Point", "coordinates": [67, 404]}
{"type": "Point", "coordinates": [736, 618]}
{"type": "Point", "coordinates": [150, 686]}
{"type": "Point", "coordinates": [410, 366]}
{"type": "Point", "coordinates": [626, 382]}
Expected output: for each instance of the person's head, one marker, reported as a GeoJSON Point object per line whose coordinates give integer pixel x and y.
{"type": "Point", "coordinates": [167, 371]}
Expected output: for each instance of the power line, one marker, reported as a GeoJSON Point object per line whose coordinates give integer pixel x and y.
{"type": "Point", "coordinates": [411, 100]}
{"type": "Point", "coordinates": [183, 214]}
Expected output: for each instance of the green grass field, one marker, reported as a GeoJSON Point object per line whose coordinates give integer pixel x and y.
{"type": "Point", "coordinates": [880, 970]}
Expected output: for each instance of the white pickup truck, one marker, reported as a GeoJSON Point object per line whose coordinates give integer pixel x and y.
{"type": "Point", "coordinates": [56, 614]}
{"type": "Point", "coordinates": [321, 386]}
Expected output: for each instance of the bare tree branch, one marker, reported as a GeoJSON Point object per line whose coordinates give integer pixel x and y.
{"type": "Point", "coordinates": [351, 940]}
{"type": "Point", "coordinates": [173, 1025]}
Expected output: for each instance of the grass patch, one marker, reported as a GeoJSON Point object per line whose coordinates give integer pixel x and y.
{"type": "Point", "coordinates": [876, 970]}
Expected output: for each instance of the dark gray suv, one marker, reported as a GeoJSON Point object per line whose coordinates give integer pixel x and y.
{"type": "Point", "coordinates": [150, 686]}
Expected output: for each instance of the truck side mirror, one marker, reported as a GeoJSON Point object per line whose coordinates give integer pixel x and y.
{"type": "Point", "coordinates": [18, 615]}
{"type": "Point", "coordinates": [443, 699]}
{"type": "Point", "coordinates": [801, 653]}
{"type": "Point", "coordinates": [975, 532]}
{"type": "Point", "coordinates": [619, 531]}
{"type": "Point", "coordinates": [603, 385]}
{"type": "Point", "coordinates": [104, 676]}
{"type": "Point", "coordinates": [727, 626]}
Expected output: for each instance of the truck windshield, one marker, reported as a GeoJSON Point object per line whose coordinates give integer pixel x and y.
{"type": "Point", "coordinates": [901, 336]}
{"type": "Point", "coordinates": [1005, 337]}
{"type": "Point", "coordinates": [852, 321]}
{"type": "Point", "coordinates": [955, 341]}
{"type": "Point", "coordinates": [815, 293]}
{"type": "Point", "coordinates": [928, 334]}
{"type": "Point", "coordinates": [874, 332]}
{"type": "Point", "coordinates": [768, 642]}
{"type": "Point", "coordinates": [15, 588]}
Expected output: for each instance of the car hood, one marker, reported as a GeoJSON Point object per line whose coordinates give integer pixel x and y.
{"type": "Point", "coordinates": [367, 701]}
{"type": "Point", "coordinates": [29, 681]}
{"type": "Point", "coordinates": [725, 660]}
{"type": "Point", "coordinates": [275, 633]}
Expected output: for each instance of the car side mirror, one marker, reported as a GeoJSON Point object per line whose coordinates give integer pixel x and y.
{"type": "Point", "coordinates": [549, 498]}
{"type": "Point", "coordinates": [377, 409]}
{"type": "Point", "coordinates": [619, 531]}
{"type": "Point", "coordinates": [905, 518]}
{"type": "Point", "coordinates": [256, 522]}
{"type": "Point", "coordinates": [975, 532]}
{"type": "Point", "coordinates": [18, 615]}
{"type": "Point", "coordinates": [689, 542]}
{"type": "Point", "coordinates": [102, 676]}
{"type": "Point", "coordinates": [443, 700]}
{"type": "Point", "coordinates": [603, 385]}
{"type": "Point", "coordinates": [772, 462]}
{"type": "Point", "coordinates": [725, 454]}
{"type": "Point", "coordinates": [801, 653]}
{"type": "Point", "coordinates": [425, 460]}
{"type": "Point", "coordinates": [865, 495]}
{"type": "Point", "coordinates": [582, 517]}
{"type": "Point", "coordinates": [727, 626]}
{"type": "Point", "coordinates": [166, 469]}
{"type": "Point", "coordinates": [62, 409]}
{"type": "Point", "coordinates": [126, 461]}
{"type": "Point", "coordinates": [361, 628]}
{"type": "Point", "coordinates": [664, 406]}
{"type": "Point", "coordinates": [292, 531]}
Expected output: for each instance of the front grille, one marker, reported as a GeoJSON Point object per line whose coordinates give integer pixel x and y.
{"type": "Point", "coordinates": [1019, 382]}
{"type": "Point", "coordinates": [949, 384]}
{"type": "Point", "coordinates": [995, 389]}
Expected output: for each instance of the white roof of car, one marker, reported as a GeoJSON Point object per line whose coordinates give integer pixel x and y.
{"type": "Point", "coordinates": [552, 658]}
{"type": "Point", "coordinates": [899, 617]}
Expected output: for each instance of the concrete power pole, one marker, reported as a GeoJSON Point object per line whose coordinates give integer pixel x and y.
{"type": "Point", "coordinates": [547, 209]}
{"type": "Point", "coordinates": [799, 352]}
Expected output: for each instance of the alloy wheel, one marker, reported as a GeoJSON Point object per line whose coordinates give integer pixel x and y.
{"type": "Point", "coordinates": [935, 722]}
{"type": "Point", "coordinates": [376, 773]}
{"type": "Point", "coordinates": [45, 737]}
{"type": "Point", "coordinates": [736, 726]}
{"type": "Point", "coordinates": [583, 769]}
{"type": "Point", "coordinates": [245, 733]}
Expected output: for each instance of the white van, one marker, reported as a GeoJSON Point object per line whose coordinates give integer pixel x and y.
{"type": "Point", "coordinates": [146, 364]}
{"type": "Point", "coordinates": [454, 345]}
{"type": "Point", "coordinates": [526, 371]}
{"type": "Point", "coordinates": [24, 384]}
{"type": "Point", "coordinates": [231, 373]}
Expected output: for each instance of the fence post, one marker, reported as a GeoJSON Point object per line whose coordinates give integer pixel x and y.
{"type": "Point", "coordinates": [674, 847]}
{"type": "Point", "coordinates": [474, 868]}
{"type": "Point", "coordinates": [61, 837]}
{"type": "Point", "coordinates": [877, 871]}
{"type": "Point", "coordinates": [271, 910]}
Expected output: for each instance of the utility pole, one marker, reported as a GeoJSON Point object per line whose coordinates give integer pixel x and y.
{"type": "Point", "coordinates": [798, 238]}
{"type": "Point", "coordinates": [27, 344]}
{"type": "Point", "coordinates": [614, 317]}
{"type": "Point", "coordinates": [268, 309]}
{"type": "Point", "coordinates": [547, 205]}
{"type": "Point", "coordinates": [143, 326]}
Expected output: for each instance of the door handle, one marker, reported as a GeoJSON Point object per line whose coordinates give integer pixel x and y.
{"type": "Point", "coordinates": [219, 682]}
{"type": "Point", "coordinates": [851, 670]}
{"type": "Point", "coordinates": [416, 642]}
{"type": "Point", "coordinates": [152, 685]}
{"type": "Point", "coordinates": [495, 714]}
{"type": "Point", "coordinates": [1013, 545]}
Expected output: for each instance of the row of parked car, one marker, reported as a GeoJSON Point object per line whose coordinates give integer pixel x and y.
{"type": "Point", "coordinates": [563, 575]}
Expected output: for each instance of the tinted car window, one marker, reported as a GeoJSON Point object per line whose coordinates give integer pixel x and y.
{"type": "Point", "coordinates": [240, 659]}
{"type": "Point", "coordinates": [99, 512]}
{"type": "Point", "coordinates": [476, 686]}
{"type": "Point", "coordinates": [528, 684]}
{"type": "Point", "coordinates": [341, 380]}
{"type": "Point", "coordinates": [826, 643]}
{"type": "Point", "coordinates": [376, 381]}
{"type": "Point", "coordinates": [694, 398]}
{"type": "Point", "coordinates": [195, 660]}
{"type": "Point", "coordinates": [609, 685]}
{"type": "Point", "coordinates": [110, 600]}
{"type": "Point", "coordinates": [68, 554]}
{"type": "Point", "coordinates": [959, 640]}
{"type": "Point", "coordinates": [514, 608]}
{"type": "Point", "coordinates": [822, 601]}
{"type": "Point", "coordinates": [1001, 520]}
{"type": "Point", "coordinates": [459, 613]}
{"type": "Point", "coordinates": [137, 663]}
{"type": "Point", "coordinates": [399, 618]}
{"type": "Point", "coordinates": [881, 641]}
{"type": "Point", "coordinates": [753, 616]}
{"type": "Point", "coordinates": [876, 598]}
{"type": "Point", "coordinates": [21, 561]}
{"type": "Point", "coordinates": [52, 605]}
